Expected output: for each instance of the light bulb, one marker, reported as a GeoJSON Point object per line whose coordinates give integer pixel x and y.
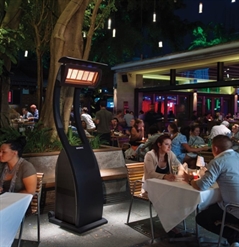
{"type": "Point", "coordinates": [160, 43]}
{"type": "Point", "coordinates": [200, 8]}
{"type": "Point", "coordinates": [154, 17]}
{"type": "Point", "coordinates": [109, 23]}
{"type": "Point", "coordinates": [114, 33]}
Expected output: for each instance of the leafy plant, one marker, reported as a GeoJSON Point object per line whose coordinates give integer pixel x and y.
{"type": "Point", "coordinates": [8, 133]}
{"type": "Point", "coordinates": [38, 138]}
{"type": "Point", "coordinates": [73, 137]}
{"type": "Point", "coordinates": [9, 44]}
{"type": "Point", "coordinates": [96, 142]}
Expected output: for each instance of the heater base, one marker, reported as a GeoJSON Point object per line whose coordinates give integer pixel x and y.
{"type": "Point", "coordinates": [72, 227]}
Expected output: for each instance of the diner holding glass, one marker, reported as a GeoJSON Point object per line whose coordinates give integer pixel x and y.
{"type": "Point", "coordinates": [160, 162]}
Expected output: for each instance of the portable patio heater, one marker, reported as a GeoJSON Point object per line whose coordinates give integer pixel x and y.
{"type": "Point", "coordinates": [78, 186]}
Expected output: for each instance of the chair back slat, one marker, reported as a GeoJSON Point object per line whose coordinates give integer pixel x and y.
{"type": "Point", "coordinates": [135, 171]}
{"type": "Point", "coordinates": [36, 197]}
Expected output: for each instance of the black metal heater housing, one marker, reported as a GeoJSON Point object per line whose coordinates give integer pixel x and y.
{"type": "Point", "coordinates": [78, 185]}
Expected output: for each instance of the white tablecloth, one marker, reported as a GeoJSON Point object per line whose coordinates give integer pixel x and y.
{"type": "Point", "coordinates": [12, 210]}
{"type": "Point", "coordinates": [174, 201]}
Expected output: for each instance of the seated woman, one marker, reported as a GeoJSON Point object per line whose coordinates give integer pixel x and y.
{"type": "Point", "coordinates": [158, 162]}
{"type": "Point", "coordinates": [136, 132]}
{"type": "Point", "coordinates": [16, 173]}
{"type": "Point", "coordinates": [194, 138]}
{"type": "Point", "coordinates": [181, 147]}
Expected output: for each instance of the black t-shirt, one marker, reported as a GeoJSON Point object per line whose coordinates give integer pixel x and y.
{"type": "Point", "coordinates": [163, 171]}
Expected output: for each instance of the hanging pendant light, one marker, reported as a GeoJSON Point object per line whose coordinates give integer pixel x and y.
{"type": "Point", "coordinates": [109, 23]}
{"type": "Point", "coordinates": [160, 44]}
{"type": "Point", "coordinates": [154, 14]}
{"type": "Point", "coordinates": [233, 1]}
{"type": "Point", "coordinates": [84, 34]}
{"type": "Point", "coordinates": [26, 53]}
{"type": "Point", "coordinates": [114, 33]}
{"type": "Point", "coordinates": [200, 8]}
{"type": "Point", "coordinates": [154, 17]}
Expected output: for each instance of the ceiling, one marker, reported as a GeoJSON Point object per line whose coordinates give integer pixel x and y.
{"type": "Point", "coordinates": [199, 64]}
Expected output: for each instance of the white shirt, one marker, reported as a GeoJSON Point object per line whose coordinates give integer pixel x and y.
{"type": "Point", "coordinates": [88, 120]}
{"type": "Point", "coordinates": [219, 130]}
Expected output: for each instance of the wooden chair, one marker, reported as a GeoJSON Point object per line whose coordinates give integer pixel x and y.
{"type": "Point", "coordinates": [135, 172]}
{"type": "Point", "coordinates": [222, 223]}
{"type": "Point", "coordinates": [35, 207]}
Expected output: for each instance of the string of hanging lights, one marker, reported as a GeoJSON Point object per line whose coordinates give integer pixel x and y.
{"type": "Point", "coordinates": [160, 43]}
{"type": "Point", "coordinates": [154, 14]}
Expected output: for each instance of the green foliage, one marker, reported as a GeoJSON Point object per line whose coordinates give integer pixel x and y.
{"type": "Point", "coordinates": [96, 142]}
{"type": "Point", "coordinates": [73, 138]}
{"type": "Point", "coordinates": [10, 42]}
{"type": "Point", "coordinates": [38, 139]}
{"type": "Point", "coordinates": [8, 133]}
{"type": "Point", "coordinates": [209, 36]}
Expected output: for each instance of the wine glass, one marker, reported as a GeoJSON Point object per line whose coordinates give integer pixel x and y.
{"type": "Point", "coordinates": [175, 169]}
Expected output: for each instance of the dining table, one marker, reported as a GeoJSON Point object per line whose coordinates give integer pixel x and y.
{"type": "Point", "coordinates": [118, 139]}
{"type": "Point", "coordinates": [13, 207]}
{"type": "Point", "coordinates": [174, 201]}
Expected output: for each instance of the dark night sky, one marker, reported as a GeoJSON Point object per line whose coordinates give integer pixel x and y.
{"type": "Point", "coordinates": [216, 11]}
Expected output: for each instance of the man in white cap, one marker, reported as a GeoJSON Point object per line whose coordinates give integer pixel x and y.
{"type": "Point", "coordinates": [221, 129]}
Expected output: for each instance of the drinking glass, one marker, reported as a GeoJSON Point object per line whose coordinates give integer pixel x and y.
{"type": "Point", "coordinates": [175, 169]}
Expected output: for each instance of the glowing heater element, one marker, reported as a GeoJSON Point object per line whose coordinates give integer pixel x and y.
{"type": "Point", "coordinates": [200, 8]}
{"type": "Point", "coordinates": [79, 73]}
{"type": "Point", "coordinates": [75, 76]}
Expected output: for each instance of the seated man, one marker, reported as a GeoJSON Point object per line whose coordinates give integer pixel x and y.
{"type": "Point", "coordinates": [26, 114]}
{"type": "Point", "coordinates": [223, 169]}
{"type": "Point", "coordinates": [221, 129]}
{"type": "Point", "coordinates": [235, 137]}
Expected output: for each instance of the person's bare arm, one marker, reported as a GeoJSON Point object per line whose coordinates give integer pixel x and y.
{"type": "Point", "coordinates": [30, 184]}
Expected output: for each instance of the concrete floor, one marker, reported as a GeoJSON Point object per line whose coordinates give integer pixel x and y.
{"type": "Point", "coordinates": [113, 234]}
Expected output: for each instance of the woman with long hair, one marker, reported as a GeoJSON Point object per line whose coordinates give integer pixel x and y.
{"type": "Point", "coordinates": [159, 161]}
{"type": "Point", "coordinates": [16, 173]}
{"type": "Point", "coordinates": [136, 132]}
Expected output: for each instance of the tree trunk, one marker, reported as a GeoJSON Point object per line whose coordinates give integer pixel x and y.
{"type": "Point", "coordinates": [66, 41]}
